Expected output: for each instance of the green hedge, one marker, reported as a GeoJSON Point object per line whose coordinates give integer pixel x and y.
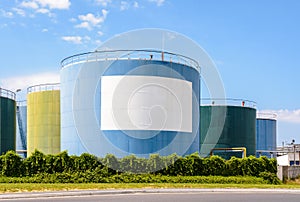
{"type": "Point", "coordinates": [92, 177]}
{"type": "Point", "coordinates": [89, 168]}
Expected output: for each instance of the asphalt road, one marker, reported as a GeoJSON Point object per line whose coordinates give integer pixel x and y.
{"type": "Point", "coordinates": [187, 196]}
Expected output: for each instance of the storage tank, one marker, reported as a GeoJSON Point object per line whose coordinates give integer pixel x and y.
{"type": "Point", "coordinates": [266, 134]}
{"type": "Point", "coordinates": [21, 122]}
{"type": "Point", "coordinates": [125, 102]}
{"type": "Point", "coordinates": [7, 121]}
{"type": "Point", "coordinates": [43, 118]}
{"type": "Point", "coordinates": [238, 130]}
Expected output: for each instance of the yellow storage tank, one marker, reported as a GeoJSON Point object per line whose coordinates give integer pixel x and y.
{"type": "Point", "coordinates": [43, 118]}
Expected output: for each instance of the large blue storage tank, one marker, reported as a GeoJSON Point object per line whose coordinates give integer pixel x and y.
{"type": "Point", "coordinates": [130, 102]}
{"type": "Point", "coordinates": [266, 134]}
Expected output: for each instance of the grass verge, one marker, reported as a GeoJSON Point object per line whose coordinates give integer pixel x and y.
{"type": "Point", "coordinates": [40, 187]}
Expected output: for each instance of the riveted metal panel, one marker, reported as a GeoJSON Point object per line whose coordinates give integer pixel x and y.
{"type": "Point", "coordinates": [266, 136]}
{"type": "Point", "coordinates": [8, 124]}
{"type": "Point", "coordinates": [43, 121]}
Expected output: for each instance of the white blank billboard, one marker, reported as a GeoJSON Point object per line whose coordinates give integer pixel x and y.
{"type": "Point", "coordinates": [146, 103]}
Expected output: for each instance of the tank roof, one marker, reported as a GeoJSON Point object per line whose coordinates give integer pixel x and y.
{"type": "Point", "coordinates": [228, 102]}
{"type": "Point", "coordinates": [155, 55]}
{"type": "Point", "coordinates": [43, 87]}
{"type": "Point", "coordinates": [270, 116]}
{"type": "Point", "coordinates": [7, 94]}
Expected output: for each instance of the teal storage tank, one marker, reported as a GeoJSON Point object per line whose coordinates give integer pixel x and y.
{"type": "Point", "coordinates": [7, 121]}
{"type": "Point", "coordinates": [230, 126]}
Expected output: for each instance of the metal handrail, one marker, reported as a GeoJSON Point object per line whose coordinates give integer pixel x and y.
{"type": "Point", "coordinates": [234, 149]}
{"type": "Point", "coordinates": [155, 55]}
{"type": "Point", "coordinates": [266, 116]}
{"type": "Point", "coordinates": [7, 94]}
{"type": "Point", "coordinates": [228, 102]}
{"type": "Point", "coordinates": [22, 103]}
{"type": "Point", "coordinates": [43, 87]}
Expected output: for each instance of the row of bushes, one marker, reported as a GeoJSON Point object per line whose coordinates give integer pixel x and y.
{"type": "Point", "coordinates": [94, 177]}
{"type": "Point", "coordinates": [11, 164]}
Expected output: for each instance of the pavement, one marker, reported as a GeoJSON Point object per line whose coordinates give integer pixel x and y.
{"type": "Point", "coordinates": [27, 195]}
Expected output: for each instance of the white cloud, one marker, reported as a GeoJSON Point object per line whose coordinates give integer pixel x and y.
{"type": "Point", "coordinates": [73, 20]}
{"type": "Point", "coordinates": [51, 4]}
{"type": "Point", "coordinates": [85, 25]}
{"type": "Point", "coordinates": [46, 11]}
{"type": "Point", "coordinates": [3, 25]}
{"type": "Point", "coordinates": [77, 39]}
{"type": "Point", "coordinates": [23, 82]}
{"type": "Point", "coordinates": [45, 30]}
{"type": "Point", "coordinates": [55, 4]}
{"type": "Point", "coordinates": [87, 38]}
{"type": "Point", "coordinates": [135, 4]}
{"type": "Point", "coordinates": [98, 42]}
{"type": "Point", "coordinates": [43, 11]}
{"type": "Point", "coordinates": [90, 20]}
{"type": "Point", "coordinates": [291, 116]}
{"type": "Point", "coordinates": [29, 4]}
{"type": "Point", "coordinates": [19, 11]}
{"type": "Point", "coordinates": [103, 3]}
{"type": "Point", "coordinates": [104, 13]}
{"type": "Point", "coordinates": [158, 2]}
{"type": "Point", "coordinates": [100, 33]}
{"type": "Point", "coordinates": [124, 5]}
{"type": "Point", "coordinates": [6, 14]}
{"type": "Point", "coordinates": [73, 39]}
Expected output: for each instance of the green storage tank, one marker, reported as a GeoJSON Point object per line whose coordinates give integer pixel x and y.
{"type": "Point", "coordinates": [228, 126]}
{"type": "Point", "coordinates": [43, 118]}
{"type": "Point", "coordinates": [7, 121]}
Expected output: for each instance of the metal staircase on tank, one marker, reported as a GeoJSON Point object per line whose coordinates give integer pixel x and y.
{"type": "Point", "coordinates": [22, 133]}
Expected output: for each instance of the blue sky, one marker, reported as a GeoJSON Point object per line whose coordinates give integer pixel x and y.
{"type": "Point", "coordinates": [255, 44]}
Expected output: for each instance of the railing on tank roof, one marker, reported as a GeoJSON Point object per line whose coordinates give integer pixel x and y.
{"type": "Point", "coordinates": [43, 87]}
{"type": "Point", "coordinates": [227, 102]}
{"type": "Point", "coordinates": [7, 94]}
{"type": "Point", "coordinates": [154, 55]}
{"type": "Point", "coordinates": [21, 103]}
{"type": "Point", "coordinates": [261, 115]}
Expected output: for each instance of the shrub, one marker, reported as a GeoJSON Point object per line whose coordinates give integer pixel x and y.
{"type": "Point", "coordinates": [11, 164]}
{"type": "Point", "coordinates": [36, 163]}
{"type": "Point", "coordinates": [270, 177]}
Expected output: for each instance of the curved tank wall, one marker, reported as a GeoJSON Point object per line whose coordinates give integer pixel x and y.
{"type": "Point", "coordinates": [120, 103]}
{"type": "Point", "coordinates": [265, 135]}
{"type": "Point", "coordinates": [238, 129]}
{"type": "Point", "coordinates": [7, 121]}
{"type": "Point", "coordinates": [21, 127]}
{"type": "Point", "coordinates": [43, 119]}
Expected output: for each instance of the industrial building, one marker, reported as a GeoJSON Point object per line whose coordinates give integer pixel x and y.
{"type": "Point", "coordinates": [126, 102]}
